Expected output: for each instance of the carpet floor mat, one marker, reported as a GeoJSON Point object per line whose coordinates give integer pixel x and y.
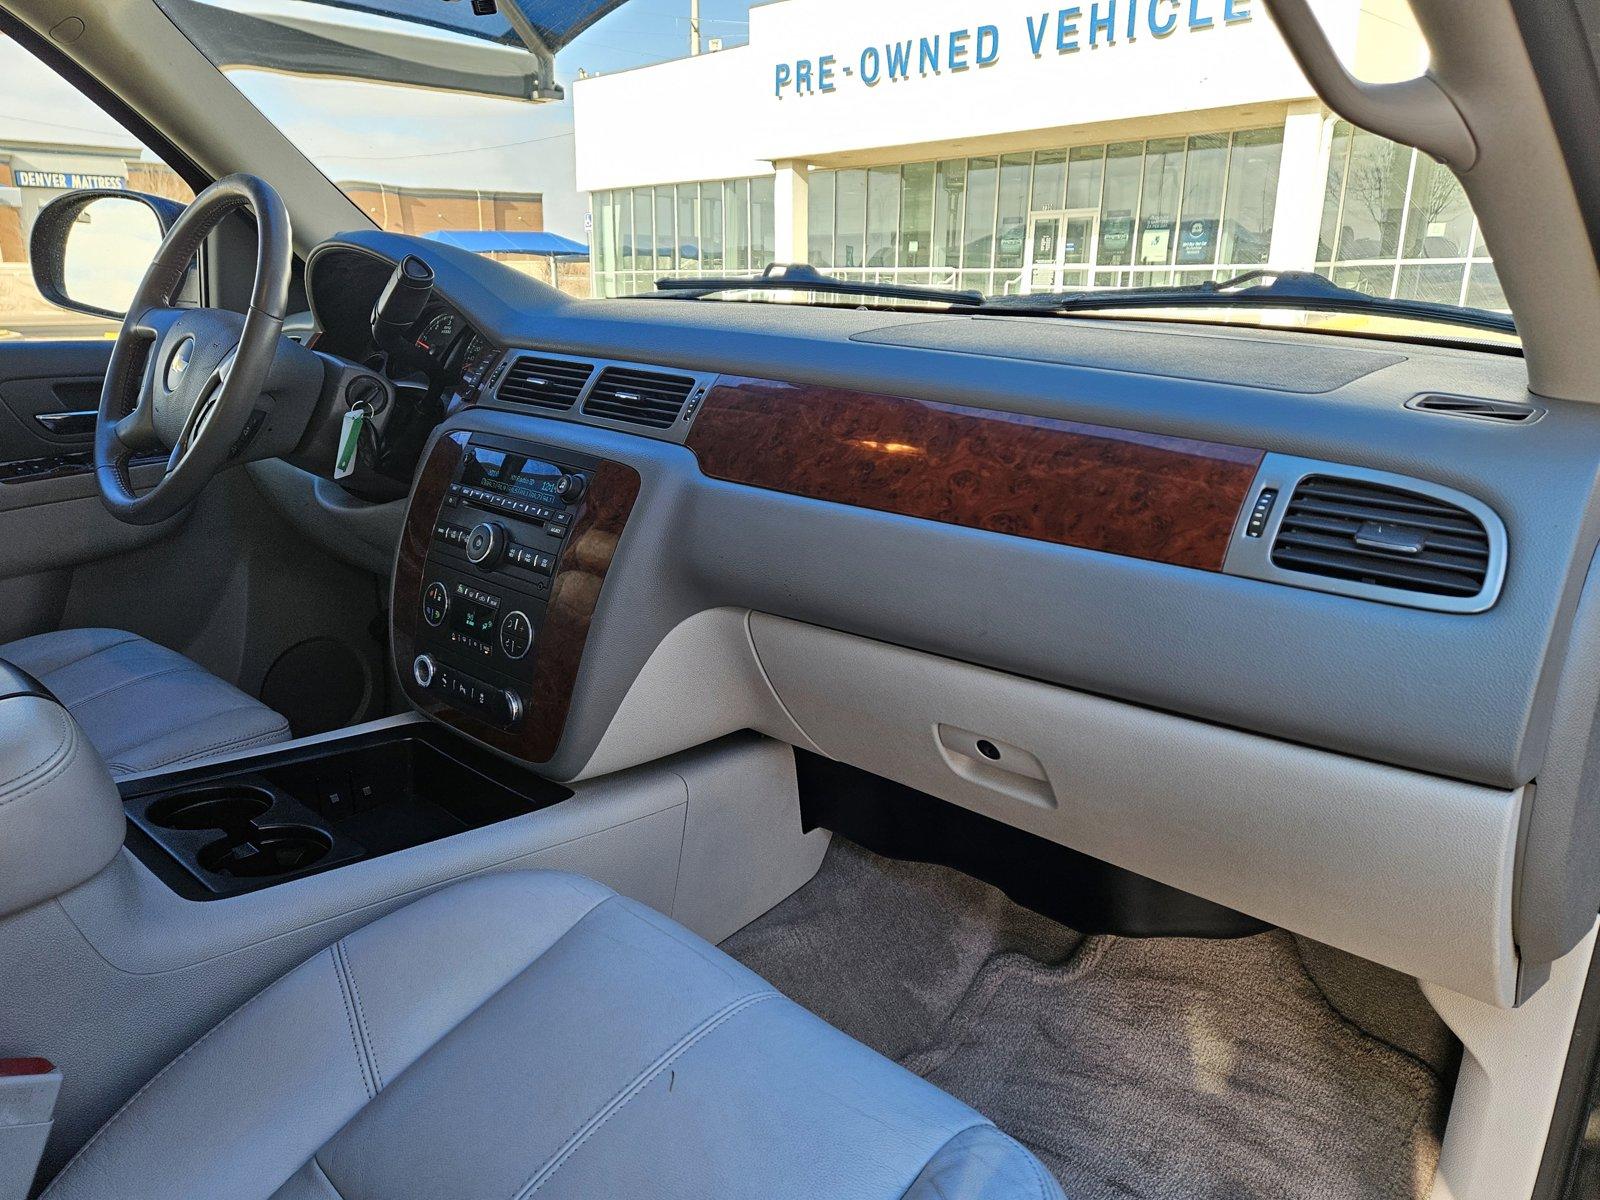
{"type": "Point", "coordinates": [1134, 1068]}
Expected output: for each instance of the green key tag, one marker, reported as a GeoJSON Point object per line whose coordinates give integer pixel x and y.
{"type": "Point", "coordinates": [344, 463]}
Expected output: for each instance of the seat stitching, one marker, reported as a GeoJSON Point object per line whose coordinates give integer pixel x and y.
{"type": "Point", "coordinates": [361, 1016]}
{"type": "Point", "coordinates": [122, 683]}
{"type": "Point", "coordinates": [639, 1082]}
{"type": "Point", "coordinates": [72, 662]}
{"type": "Point", "coordinates": [335, 952]}
{"type": "Point", "coordinates": [66, 735]}
{"type": "Point", "coordinates": [131, 1100]}
{"type": "Point", "coordinates": [237, 741]}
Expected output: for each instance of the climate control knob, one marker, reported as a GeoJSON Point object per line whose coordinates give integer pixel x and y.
{"type": "Point", "coordinates": [423, 670]}
{"type": "Point", "coordinates": [486, 543]}
{"type": "Point", "coordinates": [512, 706]}
{"type": "Point", "coordinates": [516, 634]}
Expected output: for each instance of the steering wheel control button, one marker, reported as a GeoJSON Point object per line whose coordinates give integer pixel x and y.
{"type": "Point", "coordinates": [435, 603]}
{"type": "Point", "coordinates": [485, 544]}
{"type": "Point", "coordinates": [423, 670]}
{"type": "Point", "coordinates": [516, 634]}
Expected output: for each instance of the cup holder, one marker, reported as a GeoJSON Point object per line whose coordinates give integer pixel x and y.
{"type": "Point", "coordinates": [210, 808]}
{"type": "Point", "coordinates": [268, 851]}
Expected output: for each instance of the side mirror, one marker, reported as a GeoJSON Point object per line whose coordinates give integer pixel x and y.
{"type": "Point", "coordinates": [90, 249]}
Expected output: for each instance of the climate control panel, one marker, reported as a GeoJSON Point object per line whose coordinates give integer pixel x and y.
{"type": "Point", "coordinates": [497, 540]}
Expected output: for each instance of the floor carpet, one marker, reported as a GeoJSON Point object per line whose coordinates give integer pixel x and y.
{"type": "Point", "coordinates": [1150, 1069]}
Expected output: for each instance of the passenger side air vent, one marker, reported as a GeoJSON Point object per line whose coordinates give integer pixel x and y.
{"type": "Point", "coordinates": [638, 397]}
{"type": "Point", "coordinates": [549, 383]}
{"type": "Point", "coordinates": [1380, 536]}
{"type": "Point", "coordinates": [1502, 411]}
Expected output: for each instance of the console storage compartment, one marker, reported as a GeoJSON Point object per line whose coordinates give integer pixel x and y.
{"type": "Point", "coordinates": [225, 829]}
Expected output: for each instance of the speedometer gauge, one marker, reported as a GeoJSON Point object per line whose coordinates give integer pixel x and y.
{"type": "Point", "coordinates": [439, 331]}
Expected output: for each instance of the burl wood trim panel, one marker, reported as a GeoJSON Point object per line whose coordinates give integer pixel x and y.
{"type": "Point", "coordinates": [574, 592]}
{"type": "Point", "coordinates": [1167, 499]}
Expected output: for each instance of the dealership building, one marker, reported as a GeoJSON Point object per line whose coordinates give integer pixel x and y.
{"type": "Point", "coordinates": [1015, 148]}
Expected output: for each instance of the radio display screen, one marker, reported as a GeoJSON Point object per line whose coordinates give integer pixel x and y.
{"type": "Point", "coordinates": [507, 473]}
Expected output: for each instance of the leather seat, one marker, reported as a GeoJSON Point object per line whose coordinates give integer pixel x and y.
{"type": "Point", "coordinates": [142, 705]}
{"type": "Point", "coordinates": [534, 1033]}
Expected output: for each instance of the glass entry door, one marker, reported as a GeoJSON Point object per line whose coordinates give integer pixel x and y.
{"type": "Point", "coordinates": [1060, 250]}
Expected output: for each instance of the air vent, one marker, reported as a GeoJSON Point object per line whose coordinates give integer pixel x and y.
{"type": "Point", "coordinates": [1503, 412]}
{"type": "Point", "coordinates": [638, 397]}
{"type": "Point", "coordinates": [549, 383]}
{"type": "Point", "coordinates": [1381, 536]}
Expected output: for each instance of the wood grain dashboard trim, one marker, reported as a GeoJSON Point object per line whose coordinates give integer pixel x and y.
{"type": "Point", "coordinates": [574, 594]}
{"type": "Point", "coordinates": [1167, 499]}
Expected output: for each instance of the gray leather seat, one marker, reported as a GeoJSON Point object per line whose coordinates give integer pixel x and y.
{"type": "Point", "coordinates": [536, 1033]}
{"type": "Point", "coordinates": [142, 705]}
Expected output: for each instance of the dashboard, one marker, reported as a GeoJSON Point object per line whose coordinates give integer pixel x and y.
{"type": "Point", "coordinates": [1249, 588]}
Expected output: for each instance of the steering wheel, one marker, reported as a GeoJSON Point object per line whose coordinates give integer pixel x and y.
{"type": "Point", "coordinates": [186, 381]}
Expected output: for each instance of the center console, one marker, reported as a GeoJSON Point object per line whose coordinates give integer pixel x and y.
{"type": "Point", "coordinates": [505, 548]}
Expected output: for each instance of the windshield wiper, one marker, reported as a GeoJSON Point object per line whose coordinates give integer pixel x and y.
{"type": "Point", "coordinates": [1258, 289]}
{"type": "Point", "coordinates": [801, 277]}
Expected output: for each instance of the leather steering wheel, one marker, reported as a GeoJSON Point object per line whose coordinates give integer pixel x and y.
{"type": "Point", "coordinates": [186, 381]}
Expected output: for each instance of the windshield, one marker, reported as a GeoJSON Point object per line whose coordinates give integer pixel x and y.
{"type": "Point", "coordinates": [999, 148]}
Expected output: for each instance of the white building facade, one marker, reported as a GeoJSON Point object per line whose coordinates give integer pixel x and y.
{"type": "Point", "coordinates": [1013, 148]}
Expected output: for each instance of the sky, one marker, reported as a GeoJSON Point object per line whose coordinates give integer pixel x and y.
{"type": "Point", "coordinates": [366, 132]}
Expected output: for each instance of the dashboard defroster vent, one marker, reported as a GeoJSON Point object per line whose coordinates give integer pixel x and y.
{"type": "Point", "coordinates": [553, 384]}
{"type": "Point", "coordinates": [1503, 412]}
{"type": "Point", "coordinates": [1381, 536]}
{"type": "Point", "coordinates": [638, 397]}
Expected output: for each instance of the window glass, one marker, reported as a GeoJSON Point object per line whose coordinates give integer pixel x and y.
{"type": "Point", "coordinates": [736, 210]}
{"type": "Point", "coordinates": [850, 219]}
{"type": "Point", "coordinates": [1201, 217]}
{"type": "Point", "coordinates": [763, 220]}
{"type": "Point", "coordinates": [916, 215]}
{"type": "Point", "coordinates": [1374, 198]}
{"type": "Point", "coordinates": [689, 225]}
{"type": "Point", "coordinates": [1333, 194]}
{"type": "Point", "coordinates": [1436, 283]}
{"type": "Point", "coordinates": [1123, 169]}
{"type": "Point", "coordinates": [883, 215]}
{"type": "Point", "coordinates": [1012, 221]}
{"type": "Point", "coordinates": [711, 226]}
{"type": "Point", "coordinates": [1049, 180]}
{"type": "Point", "coordinates": [1158, 216]}
{"type": "Point", "coordinates": [1483, 288]}
{"type": "Point", "coordinates": [983, 186]}
{"type": "Point", "coordinates": [1085, 170]}
{"type": "Point", "coordinates": [1438, 217]}
{"type": "Point", "coordinates": [666, 248]}
{"type": "Point", "coordinates": [949, 203]}
{"type": "Point", "coordinates": [1252, 195]}
{"type": "Point", "coordinates": [819, 218]}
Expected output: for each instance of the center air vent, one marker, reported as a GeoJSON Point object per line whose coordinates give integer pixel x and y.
{"type": "Point", "coordinates": [548, 383]}
{"type": "Point", "coordinates": [1378, 536]}
{"type": "Point", "coordinates": [638, 397]}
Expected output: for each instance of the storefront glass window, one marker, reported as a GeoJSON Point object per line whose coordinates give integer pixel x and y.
{"type": "Point", "coordinates": [1252, 195]}
{"type": "Point", "coordinates": [850, 219]}
{"type": "Point", "coordinates": [1338, 166]}
{"type": "Point", "coordinates": [950, 190]}
{"type": "Point", "coordinates": [1124, 167]}
{"type": "Point", "coordinates": [819, 219]}
{"type": "Point", "coordinates": [1374, 198]}
{"type": "Point", "coordinates": [689, 225]}
{"type": "Point", "coordinates": [1085, 171]}
{"type": "Point", "coordinates": [1439, 284]}
{"type": "Point", "coordinates": [736, 210]}
{"type": "Point", "coordinates": [1438, 217]}
{"type": "Point", "coordinates": [1158, 217]}
{"type": "Point", "coordinates": [978, 232]}
{"type": "Point", "coordinates": [1012, 223]}
{"type": "Point", "coordinates": [763, 220]}
{"type": "Point", "coordinates": [644, 229]}
{"type": "Point", "coordinates": [1483, 288]}
{"type": "Point", "coordinates": [1199, 223]}
{"type": "Point", "coordinates": [1049, 181]}
{"type": "Point", "coordinates": [916, 215]}
{"type": "Point", "coordinates": [666, 234]}
{"type": "Point", "coordinates": [883, 215]}
{"type": "Point", "coordinates": [711, 226]}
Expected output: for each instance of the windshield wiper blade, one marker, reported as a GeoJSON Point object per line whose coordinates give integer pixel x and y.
{"type": "Point", "coordinates": [801, 277]}
{"type": "Point", "coordinates": [1258, 289]}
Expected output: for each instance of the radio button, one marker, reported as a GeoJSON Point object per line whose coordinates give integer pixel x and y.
{"type": "Point", "coordinates": [435, 603]}
{"type": "Point", "coordinates": [570, 487]}
{"type": "Point", "coordinates": [485, 544]}
{"type": "Point", "coordinates": [516, 634]}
